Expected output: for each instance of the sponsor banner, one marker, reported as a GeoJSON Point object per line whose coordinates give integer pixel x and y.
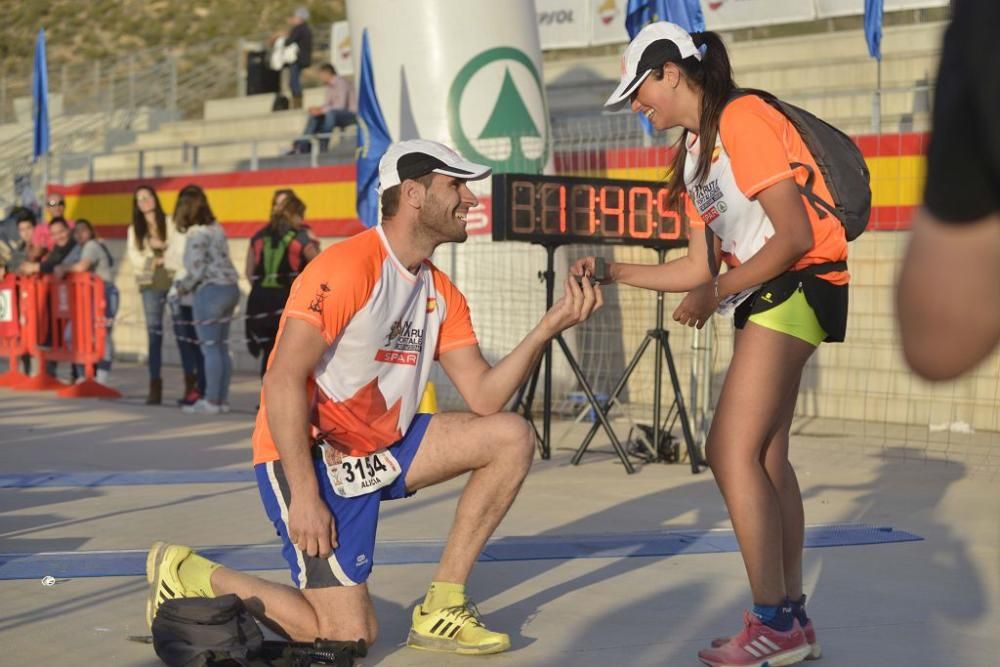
{"type": "Point", "coordinates": [832, 8]}
{"type": "Point", "coordinates": [466, 73]}
{"type": "Point", "coordinates": [896, 5]}
{"type": "Point", "coordinates": [607, 21]}
{"type": "Point", "coordinates": [340, 48]}
{"type": "Point", "coordinates": [730, 14]}
{"type": "Point", "coordinates": [563, 23]}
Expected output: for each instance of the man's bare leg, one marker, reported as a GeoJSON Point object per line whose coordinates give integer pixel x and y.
{"type": "Point", "coordinates": [498, 450]}
{"type": "Point", "coordinates": [341, 613]}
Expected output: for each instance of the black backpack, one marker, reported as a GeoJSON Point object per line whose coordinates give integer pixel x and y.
{"type": "Point", "coordinates": [220, 632]}
{"type": "Point", "coordinates": [839, 160]}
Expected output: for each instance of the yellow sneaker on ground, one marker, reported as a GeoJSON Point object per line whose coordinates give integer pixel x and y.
{"type": "Point", "coordinates": [454, 630]}
{"type": "Point", "coordinates": [165, 584]}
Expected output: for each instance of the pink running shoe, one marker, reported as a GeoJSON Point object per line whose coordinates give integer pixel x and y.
{"type": "Point", "coordinates": [815, 651]}
{"type": "Point", "coordinates": [759, 645]}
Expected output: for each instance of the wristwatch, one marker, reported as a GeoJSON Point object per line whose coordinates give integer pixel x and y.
{"type": "Point", "coordinates": [715, 287]}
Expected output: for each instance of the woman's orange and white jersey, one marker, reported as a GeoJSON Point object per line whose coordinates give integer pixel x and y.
{"type": "Point", "coordinates": [384, 326]}
{"type": "Point", "coordinates": [753, 151]}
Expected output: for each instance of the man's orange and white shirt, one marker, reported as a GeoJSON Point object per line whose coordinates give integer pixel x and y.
{"type": "Point", "coordinates": [384, 327]}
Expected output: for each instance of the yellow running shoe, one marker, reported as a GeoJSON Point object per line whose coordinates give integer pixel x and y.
{"type": "Point", "coordinates": [455, 630]}
{"type": "Point", "coordinates": [162, 564]}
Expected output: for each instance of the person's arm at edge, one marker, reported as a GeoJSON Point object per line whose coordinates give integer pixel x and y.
{"type": "Point", "coordinates": [948, 295]}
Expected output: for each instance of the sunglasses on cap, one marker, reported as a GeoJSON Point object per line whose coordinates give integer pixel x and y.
{"type": "Point", "coordinates": [56, 202]}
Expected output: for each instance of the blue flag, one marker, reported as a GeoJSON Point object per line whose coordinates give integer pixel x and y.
{"type": "Point", "coordinates": [685, 13]}
{"type": "Point", "coordinates": [373, 139]}
{"type": "Point", "coordinates": [40, 98]}
{"type": "Point", "coordinates": [640, 13]}
{"type": "Point", "coordinates": [873, 27]}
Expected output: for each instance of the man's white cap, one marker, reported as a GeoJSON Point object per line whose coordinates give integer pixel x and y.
{"type": "Point", "coordinates": [419, 157]}
{"type": "Point", "coordinates": [655, 44]}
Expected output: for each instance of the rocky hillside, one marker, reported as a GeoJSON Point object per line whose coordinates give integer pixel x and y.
{"type": "Point", "coordinates": [81, 31]}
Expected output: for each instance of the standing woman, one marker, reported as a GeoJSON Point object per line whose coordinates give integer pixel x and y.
{"type": "Point", "coordinates": [212, 280]}
{"type": "Point", "coordinates": [150, 236]}
{"type": "Point", "coordinates": [276, 255]}
{"type": "Point", "coordinates": [741, 163]}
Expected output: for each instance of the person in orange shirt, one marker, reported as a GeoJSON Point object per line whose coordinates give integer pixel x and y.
{"type": "Point", "coordinates": [338, 430]}
{"type": "Point", "coordinates": [739, 168]}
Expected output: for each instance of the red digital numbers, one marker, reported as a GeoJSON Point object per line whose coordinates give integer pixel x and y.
{"type": "Point", "coordinates": [643, 213]}
{"type": "Point", "coordinates": [550, 208]}
{"type": "Point", "coordinates": [668, 231]}
{"type": "Point", "coordinates": [612, 216]}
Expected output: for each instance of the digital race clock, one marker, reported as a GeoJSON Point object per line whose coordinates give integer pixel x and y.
{"type": "Point", "coordinates": [558, 210]}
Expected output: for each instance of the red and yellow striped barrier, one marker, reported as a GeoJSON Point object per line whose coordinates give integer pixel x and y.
{"type": "Point", "coordinates": [242, 200]}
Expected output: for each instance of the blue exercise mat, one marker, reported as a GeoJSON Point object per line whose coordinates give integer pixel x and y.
{"type": "Point", "coordinates": [151, 477]}
{"type": "Point", "coordinates": [66, 564]}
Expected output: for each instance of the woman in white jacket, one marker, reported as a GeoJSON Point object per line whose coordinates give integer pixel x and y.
{"type": "Point", "coordinates": [155, 251]}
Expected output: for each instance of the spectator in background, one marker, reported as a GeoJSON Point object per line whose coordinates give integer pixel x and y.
{"type": "Point", "coordinates": [211, 279]}
{"type": "Point", "coordinates": [55, 206]}
{"type": "Point", "coordinates": [339, 109]}
{"type": "Point", "coordinates": [182, 314]}
{"type": "Point", "coordinates": [155, 251]}
{"type": "Point", "coordinates": [62, 245]}
{"type": "Point", "coordinates": [16, 233]}
{"type": "Point", "coordinates": [279, 196]}
{"type": "Point", "coordinates": [90, 255]}
{"type": "Point", "coordinates": [299, 35]}
{"type": "Point", "coordinates": [276, 256]}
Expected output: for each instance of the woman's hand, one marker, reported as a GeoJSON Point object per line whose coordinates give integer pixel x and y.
{"type": "Point", "coordinates": [697, 306]}
{"type": "Point", "coordinates": [587, 266]}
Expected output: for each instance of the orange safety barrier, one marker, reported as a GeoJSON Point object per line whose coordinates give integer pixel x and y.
{"type": "Point", "coordinates": [65, 323]}
{"type": "Point", "coordinates": [13, 343]}
{"type": "Point", "coordinates": [34, 322]}
{"type": "Point", "coordinates": [77, 304]}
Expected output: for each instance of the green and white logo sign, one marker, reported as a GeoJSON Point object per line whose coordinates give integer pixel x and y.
{"type": "Point", "coordinates": [496, 111]}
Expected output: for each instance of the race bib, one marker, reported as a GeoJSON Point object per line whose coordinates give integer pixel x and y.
{"type": "Point", "coordinates": [353, 476]}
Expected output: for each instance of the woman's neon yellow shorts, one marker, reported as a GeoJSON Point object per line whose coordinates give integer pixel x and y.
{"type": "Point", "coordinates": [794, 317]}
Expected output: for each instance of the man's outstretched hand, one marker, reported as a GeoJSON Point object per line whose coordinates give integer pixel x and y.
{"type": "Point", "coordinates": [578, 303]}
